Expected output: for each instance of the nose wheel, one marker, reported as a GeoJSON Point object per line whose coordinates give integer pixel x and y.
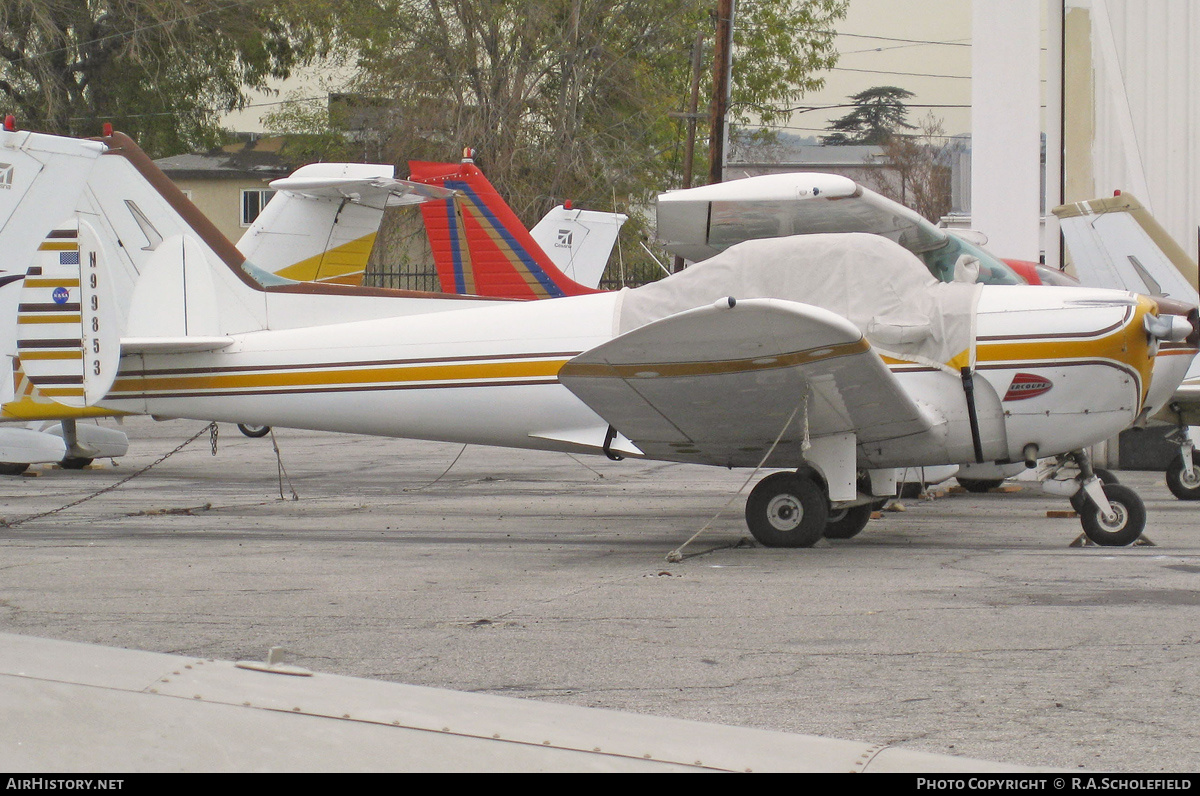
{"type": "Point", "coordinates": [787, 510]}
{"type": "Point", "coordinates": [1121, 525]}
{"type": "Point", "coordinates": [1112, 515]}
{"type": "Point", "coordinates": [1184, 482]}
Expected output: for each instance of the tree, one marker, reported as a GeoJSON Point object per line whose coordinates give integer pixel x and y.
{"type": "Point", "coordinates": [921, 168]}
{"type": "Point", "coordinates": [571, 98]}
{"type": "Point", "coordinates": [162, 70]}
{"type": "Point", "coordinates": [878, 112]}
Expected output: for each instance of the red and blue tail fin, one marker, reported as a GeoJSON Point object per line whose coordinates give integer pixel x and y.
{"type": "Point", "coordinates": [479, 245]}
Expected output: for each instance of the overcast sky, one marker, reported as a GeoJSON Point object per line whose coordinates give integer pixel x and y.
{"type": "Point", "coordinates": [918, 45]}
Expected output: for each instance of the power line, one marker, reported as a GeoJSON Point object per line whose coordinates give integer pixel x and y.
{"type": "Point", "coordinates": [905, 74]}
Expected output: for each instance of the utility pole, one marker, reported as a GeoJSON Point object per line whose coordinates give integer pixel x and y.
{"type": "Point", "coordinates": [689, 149]}
{"type": "Point", "coordinates": [691, 116]}
{"type": "Point", "coordinates": [722, 65]}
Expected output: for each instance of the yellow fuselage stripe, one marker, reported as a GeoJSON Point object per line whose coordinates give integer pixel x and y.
{"type": "Point", "coordinates": [24, 319]}
{"type": "Point", "coordinates": [322, 378]}
{"type": "Point", "coordinates": [35, 282]}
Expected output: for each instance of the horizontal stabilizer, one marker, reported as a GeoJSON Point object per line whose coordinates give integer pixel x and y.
{"type": "Point", "coordinates": [374, 191]}
{"type": "Point", "coordinates": [718, 384]}
{"type": "Point", "coordinates": [173, 345]}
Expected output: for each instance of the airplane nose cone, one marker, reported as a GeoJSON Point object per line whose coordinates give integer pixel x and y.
{"type": "Point", "coordinates": [1184, 318]}
{"type": "Point", "coordinates": [1169, 328]}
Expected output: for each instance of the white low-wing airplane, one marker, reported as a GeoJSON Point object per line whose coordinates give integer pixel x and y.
{"type": "Point", "coordinates": [1116, 243]}
{"type": "Point", "coordinates": [837, 355]}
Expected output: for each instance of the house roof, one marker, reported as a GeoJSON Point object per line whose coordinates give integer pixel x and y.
{"type": "Point", "coordinates": [249, 157]}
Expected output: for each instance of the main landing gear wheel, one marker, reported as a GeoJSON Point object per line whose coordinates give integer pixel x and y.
{"type": "Point", "coordinates": [1183, 485]}
{"type": "Point", "coordinates": [1079, 499]}
{"type": "Point", "coordinates": [74, 463]}
{"type": "Point", "coordinates": [980, 485]}
{"type": "Point", "coordinates": [254, 431]}
{"type": "Point", "coordinates": [12, 468]}
{"type": "Point", "coordinates": [848, 523]}
{"type": "Point", "coordinates": [1124, 527]}
{"type": "Point", "coordinates": [787, 510]}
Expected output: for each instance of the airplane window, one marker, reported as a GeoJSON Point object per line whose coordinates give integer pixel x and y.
{"type": "Point", "coordinates": [992, 271]}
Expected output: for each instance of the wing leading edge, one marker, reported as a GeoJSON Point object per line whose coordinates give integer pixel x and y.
{"type": "Point", "coordinates": [717, 385]}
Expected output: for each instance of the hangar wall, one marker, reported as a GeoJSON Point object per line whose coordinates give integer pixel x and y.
{"type": "Point", "coordinates": [1143, 60]}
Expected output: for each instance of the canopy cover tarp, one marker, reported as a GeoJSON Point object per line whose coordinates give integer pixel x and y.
{"type": "Point", "coordinates": [876, 284]}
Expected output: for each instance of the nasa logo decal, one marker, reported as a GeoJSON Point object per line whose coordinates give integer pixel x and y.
{"type": "Point", "coordinates": [1027, 385]}
{"type": "Point", "coordinates": [60, 295]}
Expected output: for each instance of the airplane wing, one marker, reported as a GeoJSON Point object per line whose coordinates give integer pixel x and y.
{"type": "Point", "coordinates": [697, 223]}
{"type": "Point", "coordinates": [717, 385]}
{"type": "Point", "coordinates": [378, 192]}
{"type": "Point", "coordinates": [82, 707]}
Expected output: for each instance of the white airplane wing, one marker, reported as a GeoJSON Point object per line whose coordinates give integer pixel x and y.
{"type": "Point", "coordinates": [81, 707]}
{"type": "Point", "coordinates": [376, 192]}
{"type": "Point", "coordinates": [718, 384]}
{"type": "Point", "coordinates": [1115, 243]}
{"type": "Point", "coordinates": [697, 223]}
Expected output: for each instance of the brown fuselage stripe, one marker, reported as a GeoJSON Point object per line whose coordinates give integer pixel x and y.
{"type": "Point", "coordinates": [58, 343]}
{"type": "Point", "coordinates": [1058, 335]}
{"type": "Point", "coordinates": [73, 307]}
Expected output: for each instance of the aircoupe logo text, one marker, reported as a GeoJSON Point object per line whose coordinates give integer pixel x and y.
{"type": "Point", "coordinates": [1027, 385]}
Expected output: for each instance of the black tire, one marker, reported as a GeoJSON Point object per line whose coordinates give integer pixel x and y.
{"type": "Point", "coordinates": [254, 431]}
{"type": "Point", "coordinates": [74, 463]}
{"type": "Point", "coordinates": [787, 510]}
{"type": "Point", "coordinates": [12, 468]}
{"type": "Point", "coordinates": [1105, 476]}
{"type": "Point", "coordinates": [910, 490]}
{"type": "Point", "coordinates": [980, 485]}
{"type": "Point", "coordinates": [1128, 525]}
{"type": "Point", "coordinates": [848, 523]}
{"type": "Point", "coordinates": [1180, 485]}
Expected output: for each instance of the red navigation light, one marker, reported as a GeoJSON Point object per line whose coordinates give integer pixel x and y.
{"type": "Point", "coordinates": [10, 123]}
{"type": "Point", "coordinates": [107, 128]}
